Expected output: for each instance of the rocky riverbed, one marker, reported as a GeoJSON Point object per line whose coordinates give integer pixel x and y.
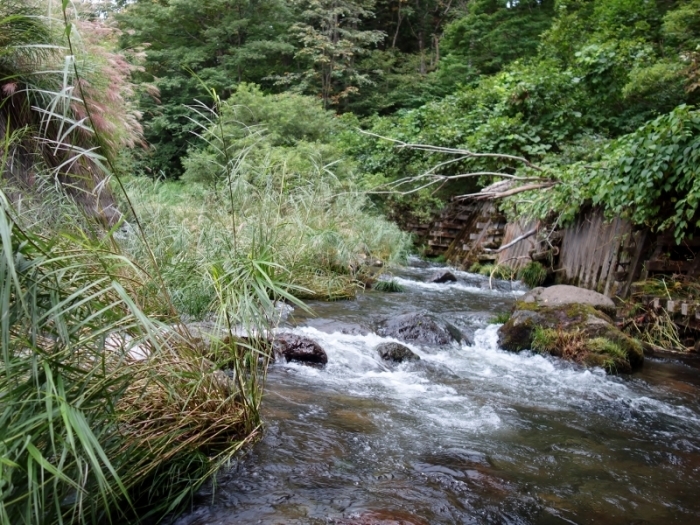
{"type": "Point", "coordinates": [465, 433]}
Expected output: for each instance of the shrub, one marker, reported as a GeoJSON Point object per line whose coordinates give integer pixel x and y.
{"type": "Point", "coordinates": [533, 274]}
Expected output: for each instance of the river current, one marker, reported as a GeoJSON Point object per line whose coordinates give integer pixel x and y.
{"type": "Point", "coordinates": [470, 434]}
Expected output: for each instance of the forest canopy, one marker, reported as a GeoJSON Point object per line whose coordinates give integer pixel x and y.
{"type": "Point", "coordinates": [558, 82]}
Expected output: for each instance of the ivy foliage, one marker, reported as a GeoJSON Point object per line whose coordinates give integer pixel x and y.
{"type": "Point", "coordinates": [649, 176]}
{"type": "Point", "coordinates": [603, 72]}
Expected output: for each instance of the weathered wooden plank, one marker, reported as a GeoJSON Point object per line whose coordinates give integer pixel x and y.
{"type": "Point", "coordinates": [444, 234]}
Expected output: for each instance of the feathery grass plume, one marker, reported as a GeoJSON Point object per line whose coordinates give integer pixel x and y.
{"type": "Point", "coordinates": [59, 97]}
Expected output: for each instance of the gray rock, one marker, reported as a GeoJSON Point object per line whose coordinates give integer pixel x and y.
{"type": "Point", "coordinates": [563, 294]}
{"type": "Point", "coordinates": [417, 327]}
{"type": "Point", "coordinates": [301, 349]}
{"type": "Point", "coordinates": [459, 335]}
{"type": "Point", "coordinates": [395, 352]}
{"type": "Point", "coordinates": [444, 276]}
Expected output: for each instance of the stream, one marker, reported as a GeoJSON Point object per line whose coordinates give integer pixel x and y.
{"type": "Point", "coordinates": [466, 435]}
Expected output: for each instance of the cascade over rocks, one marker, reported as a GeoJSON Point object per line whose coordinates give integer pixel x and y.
{"type": "Point", "coordinates": [444, 276]}
{"type": "Point", "coordinates": [572, 323]}
{"type": "Point", "coordinates": [297, 348]}
{"type": "Point", "coordinates": [421, 328]}
{"type": "Point", "coordinates": [395, 352]}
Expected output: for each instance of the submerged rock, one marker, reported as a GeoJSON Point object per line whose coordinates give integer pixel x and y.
{"type": "Point", "coordinates": [421, 328]}
{"type": "Point", "coordinates": [297, 348]}
{"type": "Point", "coordinates": [555, 324]}
{"type": "Point", "coordinates": [444, 276]}
{"type": "Point", "coordinates": [459, 335]}
{"type": "Point", "coordinates": [396, 352]}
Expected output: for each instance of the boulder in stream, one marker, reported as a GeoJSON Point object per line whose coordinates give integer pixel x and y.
{"type": "Point", "coordinates": [301, 349]}
{"type": "Point", "coordinates": [563, 295]}
{"type": "Point", "coordinates": [443, 276]}
{"type": "Point", "coordinates": [396, 352]}
{"type": "Point", "coordinates": [421, 328]}
{"type": "Point", "coordinates": [573, 325]}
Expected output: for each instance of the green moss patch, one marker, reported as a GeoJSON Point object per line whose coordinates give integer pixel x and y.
{"type": "Point", "coordinates": [575, 332]}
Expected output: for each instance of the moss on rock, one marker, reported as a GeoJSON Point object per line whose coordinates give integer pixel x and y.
{"type": "Point", "coordinates": [575, 332]}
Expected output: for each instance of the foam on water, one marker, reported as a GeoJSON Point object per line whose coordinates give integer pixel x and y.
{"type": "Point", "coordinates": [488, 379]}
{"type": "Point", "coordinates": [457, 286]}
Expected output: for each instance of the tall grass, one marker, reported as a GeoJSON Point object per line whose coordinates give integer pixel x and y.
{"type": "Point", "coordinates": [105, 412]}
{"type": "Point", "coordinates": [315, 236]}
{"type": "Point", "coordinates": [109, 408]}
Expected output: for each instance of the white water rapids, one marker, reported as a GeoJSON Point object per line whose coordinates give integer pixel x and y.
{"type": "Point", "coordinates": [468, 434]}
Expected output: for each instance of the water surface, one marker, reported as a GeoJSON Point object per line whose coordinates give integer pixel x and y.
{"type": "Point", "coordinates": [470, 434]}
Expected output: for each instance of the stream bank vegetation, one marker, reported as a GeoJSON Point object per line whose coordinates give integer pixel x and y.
{"type": "Point", "coordinates": [110, 407]}
{"type": "Point", "coordinates": [243, 189]}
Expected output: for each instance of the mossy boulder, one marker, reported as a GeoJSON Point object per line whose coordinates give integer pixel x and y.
{"type": "Point", "coordinates": [579, 332]}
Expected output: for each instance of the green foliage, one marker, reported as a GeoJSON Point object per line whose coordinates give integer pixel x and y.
{"type": "Point", "coordinates": [482, 40]}
{"type": "Point", "coordinates": [390, 286]}
{"type": "Point", "coordinates": [330, 40]}
{"type": "Point", "coordinates": [501, 318]}
{"type": "Point", "coordinates": [223, 41]}
{"type": "Point", "coordinates": [681, 26]}
{"type": "Point", "coordinates": [648, 177]}
{"type": "Point", "coordinates": [533, 274]}
{"type": "Point", "coordinates": [602, 71]}
{"type": "Point", "coordinates": [256, 134]}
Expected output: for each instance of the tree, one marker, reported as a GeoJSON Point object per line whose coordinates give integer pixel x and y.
{"type": "Point", "coordinates": [331, 40]}
{"type": "Point", "coordinates": [222, 42]}
{"type": "Point", "coordinates": [493, 33]}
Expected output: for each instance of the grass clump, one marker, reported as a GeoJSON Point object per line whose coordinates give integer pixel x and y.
{"type": "Point", "coordinates": [501, 318]}
{"type": "Point", "coordinates": [105, 413]}
{"type": "Point", "coordinates": [497, 271]}
{"type": "Point", "coordinates": [475, 268]}
{"type": "Point", "coordinates": [575, 345]}
{"type": "Point", "coordinates": [656, 328]}
{"type": "Point", "coordinates": [390, 286]}
{"type": "Point", "coordinates": [533, 274]}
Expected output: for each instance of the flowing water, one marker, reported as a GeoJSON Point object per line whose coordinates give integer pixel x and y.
{"type": "Point", "coordinates": [467, 435]}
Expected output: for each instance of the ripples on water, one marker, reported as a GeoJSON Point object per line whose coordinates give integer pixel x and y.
{"type": "Point", "coordinates": [469, 434]}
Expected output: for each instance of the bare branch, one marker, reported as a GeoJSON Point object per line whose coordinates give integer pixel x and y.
{"type": "Point", "coordinates": [392, 187]}
{"type": "Point", "coordinates": [513, 242]}
{"type": "Point", "coordinates": [453, 151]}
{"type": "Point", "coordinates": [514, 191]}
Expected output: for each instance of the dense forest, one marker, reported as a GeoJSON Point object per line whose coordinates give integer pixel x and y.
{"type": "Point", "coordinates": [565, 85]}
{"type": "Point", "coordinates": [168, 161]}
